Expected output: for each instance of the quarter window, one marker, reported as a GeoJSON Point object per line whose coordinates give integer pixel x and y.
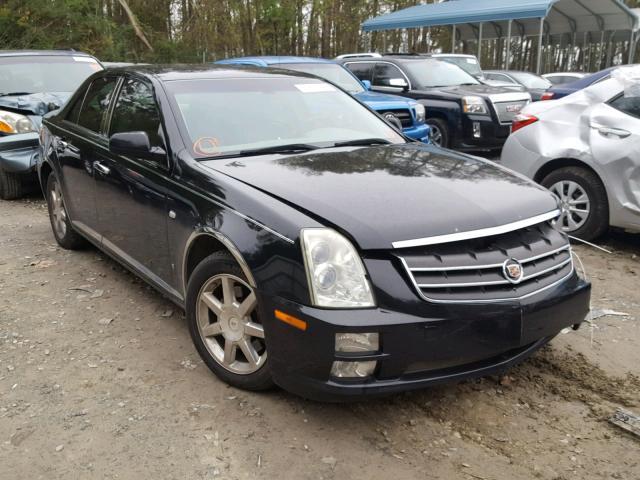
{"type": "Point", "coordinates": [136, 111]}
{"type": "Point", "coordinates": [73, 114]}
{"type": "Point", "coordinates": [628, 105]}
{"type": "Point", "coordinates": [96, 103]}
{"type": "Point", "coordinates": [361, 70]}
{"type": "Point", "coordinates": [384, 73]}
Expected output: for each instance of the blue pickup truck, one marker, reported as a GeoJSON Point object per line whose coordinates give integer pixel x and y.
{"type": "Point", "coordinates": [404, 113]}
{"type": "Point", "coordinates": [32, 83]}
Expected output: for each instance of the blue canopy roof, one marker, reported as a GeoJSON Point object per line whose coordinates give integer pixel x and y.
{"type": "Point", "coordinates": [561, 16]}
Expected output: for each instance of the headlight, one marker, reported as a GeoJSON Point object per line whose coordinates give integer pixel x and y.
{"type": "Point", "coordinates": [420, 113]}
{"type": "Point", "coordinates": [15, 123]}
{"type": "Point", "coordinates": [474, 105]}
{"type": "Point", "coordinates": [336, 275]}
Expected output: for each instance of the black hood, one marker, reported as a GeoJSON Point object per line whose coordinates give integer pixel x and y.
{"type": "Point", "coordinates": [381, 195]}
{"type": "Point", "coordinates": [480, 90]}
{"type": "Point", "coordinates": [34, 103]}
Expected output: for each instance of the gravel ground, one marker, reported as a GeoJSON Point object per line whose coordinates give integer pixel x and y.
{"type": "Point", "coordinates": [98, 379]}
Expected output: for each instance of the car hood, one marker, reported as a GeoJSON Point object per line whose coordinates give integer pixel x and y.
{"type": "Point", "coordinates": [386, 194]}
{"type": "Point", "coordinates": [34, 103]}
{"type": "Point", "coordinates": [382, 100]}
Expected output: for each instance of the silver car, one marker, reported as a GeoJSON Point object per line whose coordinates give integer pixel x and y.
{"type": "Point", "coordinates": [586, 149]}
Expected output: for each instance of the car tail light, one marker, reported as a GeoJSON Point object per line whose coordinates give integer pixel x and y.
{"type": "Point", "coordinates": [522, 120]}
{"type": "Point", "coordinates": [547, 96]}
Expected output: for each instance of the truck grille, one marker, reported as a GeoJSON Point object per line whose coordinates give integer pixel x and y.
{"type": "Point", "coordinates": [403, 115]}
{"type": "Point", "coordinates": [507, 111]}
{"type": "Point", "coordinates": [477, 270]}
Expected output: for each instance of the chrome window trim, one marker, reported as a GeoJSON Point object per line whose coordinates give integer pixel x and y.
{"type": "Point", "coordinates": [484, 232]}
{"type": "Point", "coordinates": [374, 61]}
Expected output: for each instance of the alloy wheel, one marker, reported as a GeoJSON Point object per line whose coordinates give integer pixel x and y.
{"type": "Point", "coordinates": [58, 212]}
{"type": "Point", "coordinates": [229, 326]}
{"type": "Point", "coordinates": [574, 204]}
{"type": "Point", "coordinates": [435, 135]}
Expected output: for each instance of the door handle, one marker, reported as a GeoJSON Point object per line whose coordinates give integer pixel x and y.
{"type": "Point", "coordinates": [101, 168]}
{"type": "Point", "coordinates": [611, 132]}
{"type": "Point", "coordinates": [61, 146]}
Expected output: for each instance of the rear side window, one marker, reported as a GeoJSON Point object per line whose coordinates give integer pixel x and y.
{"type": "Point", "coordinates": [628, 105]}
{"type": "Point", "coordinates": [384, 73]}
{"type": "Point", "coordinates": [364, 71]}
{"type": "Point", "coordinates": [96, 103]}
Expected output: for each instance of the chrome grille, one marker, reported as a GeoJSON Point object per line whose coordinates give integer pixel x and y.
{"type": "Point", "coordinates": [474, 270]}
{"type": "Point", "coordinates": [507, 111]}
{"type": "Point", "coordinates": [403, 115]}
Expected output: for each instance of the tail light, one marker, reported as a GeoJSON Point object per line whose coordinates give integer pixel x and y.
{"type": "Point", "coordinates": [522, 120]}
{"type": "Point", "coordinates": [547, 96]}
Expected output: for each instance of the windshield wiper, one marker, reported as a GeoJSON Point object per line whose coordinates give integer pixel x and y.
{"type": "Point", "coordinates": [290, 148]}
{"type": "Point", "coordinates": [12, 94]}
{"type": "Point", "coordinates": [362, 142]}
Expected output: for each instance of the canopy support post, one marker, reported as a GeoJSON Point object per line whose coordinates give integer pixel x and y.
{"type": "Point", "coordinates": [480, 43]}
{"type": "Point", "coordinates": [508, 57]}
{"type": "Point", "coordinates": [453, 39]}
{"type": "Point", "coordinates": [539, 63]}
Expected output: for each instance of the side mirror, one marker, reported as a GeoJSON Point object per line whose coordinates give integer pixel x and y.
{"type": "Point", "coordinates": [134, 144]}
{"type": "Point", "coordinates": [399, 83]}
{"type": "Point", "coordinates": [366, 84]}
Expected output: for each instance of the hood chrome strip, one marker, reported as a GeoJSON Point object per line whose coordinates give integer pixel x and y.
{"type": "Point", "coordinates": [484, 232]}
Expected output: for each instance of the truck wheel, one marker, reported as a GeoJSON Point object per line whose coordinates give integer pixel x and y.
{"type": "Point", "coordinates": [583, 200]}
{"type": "Point", "coordinates": [63, 231]}
{"type": "Point", "coordinates": [225, 325]}
{"type": "Point", "coordinates": [439, 135]}
{"type": "Point", "coordinates": [10, 185]}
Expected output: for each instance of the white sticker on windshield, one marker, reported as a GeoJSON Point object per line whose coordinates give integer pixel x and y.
{"type": "Point", "coordinates": [84, 59]}
{"type": "Point", "coordinates": [315, 87]}
{"type": "Point", "coordinates": [472, 61]}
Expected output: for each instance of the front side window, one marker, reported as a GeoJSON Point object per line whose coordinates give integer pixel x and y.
{"type": "Point", "coordinates": [136, 111]}
{"type": "Point", "coordinates": [430, 73]}
{"type": "Point", "coordinates": [628, 105]}
{"type": "Point", "coordinates": [230, 115]}
{"type": "Point", "coordinates": [96, 103]}
{"type": "Point", "coordinates": [384, 73]}
{"type": "Point", "coordinates": [364, 71]}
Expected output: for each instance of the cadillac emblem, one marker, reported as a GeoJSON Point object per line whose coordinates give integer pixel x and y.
{"type": "Point", "coordinates": [513, 271]}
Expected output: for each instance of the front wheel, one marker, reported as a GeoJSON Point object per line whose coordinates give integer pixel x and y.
{"type": "Point", "coordinates": [583, 201]}
{"type": "Point", "coordinates": [225, 325]}
{"type": "Point", "coordinates": [10, 185]}
{"type": "Point", "coordinates": [439, 135]}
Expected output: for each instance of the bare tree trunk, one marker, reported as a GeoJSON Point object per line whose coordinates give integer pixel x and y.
{"type": "Point", "coordinates": [134, 23]}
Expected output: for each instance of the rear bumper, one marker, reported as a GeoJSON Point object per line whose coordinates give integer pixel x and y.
{"type": "Point", "coordinates": [416, 351]}
{"type": "Point", "coordinates": [19, 153]}
{"type": "Point", "coordinates": [419, 132]}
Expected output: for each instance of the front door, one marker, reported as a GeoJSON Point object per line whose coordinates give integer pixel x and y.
{"type": "Point", "coordinates": [130, 192]}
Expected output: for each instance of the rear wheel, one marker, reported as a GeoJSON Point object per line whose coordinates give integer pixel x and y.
{"type": "Point", "coordinates": [63, 231]}
{"type": "Point", "coordinates": [583, 201]}
{"type": "Point", "coordinates": [10, 185]}
{"type": "Point", "coordinates": [439, 134]}
{"type": "Point", "coordinates": [225, 325]}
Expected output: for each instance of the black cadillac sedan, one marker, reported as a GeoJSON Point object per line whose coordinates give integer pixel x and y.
{"type": "Point", "coordinates": [311, 244]}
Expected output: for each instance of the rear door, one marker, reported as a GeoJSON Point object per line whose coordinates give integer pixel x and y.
{"type": "Point", "coordinates": [79, 143]}
{"type": "Point", "coordinates": [130, 191]}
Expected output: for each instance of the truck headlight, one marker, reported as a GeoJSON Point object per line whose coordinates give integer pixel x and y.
{"type": "Point", "coordinates": [336, 275]}
{"type": "Point", "coordinates": [15, 123]}
{"type": "Point", "coordinates": [474, 105]}
{"type": "Point", "coordinates": [420, 113]}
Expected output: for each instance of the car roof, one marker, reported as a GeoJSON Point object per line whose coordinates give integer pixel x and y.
{"type": "Point", "coordinates": [274, 60]}
{"type": "Point", "coordinates": [167, 73]}
{"type": "Point", "coordinates": [48, 53]}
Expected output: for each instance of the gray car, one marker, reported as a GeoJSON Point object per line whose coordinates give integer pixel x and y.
{"type": "Point", "coordinates": [586, 149]}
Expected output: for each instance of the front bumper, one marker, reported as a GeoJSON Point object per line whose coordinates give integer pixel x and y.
{"type": "Point", "coordinates": [431, 345]}
{"type": "Point", "coordinates": [19, 153]}
{"type": "Point", "coordinates": [492, 135]}
{"type": "Point", "coordinates": [418, 132]}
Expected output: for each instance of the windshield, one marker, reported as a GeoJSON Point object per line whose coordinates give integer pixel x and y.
{"type": "Point", "coordinates": [36, 74]}
{"type": "Point", "coordinates": [227, 116]}
{"type": "Point", "coordinates": [530, 80]}
{"type": "Point", "coordinates": [431, 73]}
{"type": "Point", "coordinates": [468, 64]}
{"type": "Point", "coordinates": [329, 71]}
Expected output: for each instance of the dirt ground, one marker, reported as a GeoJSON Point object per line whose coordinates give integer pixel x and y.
{"type": "Point", "coordinates": [99, 379]}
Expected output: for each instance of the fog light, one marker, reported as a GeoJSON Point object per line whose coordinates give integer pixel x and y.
{"type": "Point", "coordinates": [353, 369]}
{"type": "Point", "coordinates": [357, 342]}
{"type": "Point", "coordinates": [477, 132]}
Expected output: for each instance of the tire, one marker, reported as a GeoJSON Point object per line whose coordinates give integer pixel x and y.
{"type": "Point", "coordinates": [215, 323]}
{"type": "Point", "coordinates": [439, 135]}
{"type": "Point", "coordinates": [591, 225]}
{"type": "Point", "coordinates": [10, 185]}
{"type": "Point", "coordinates": [63, 231]}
